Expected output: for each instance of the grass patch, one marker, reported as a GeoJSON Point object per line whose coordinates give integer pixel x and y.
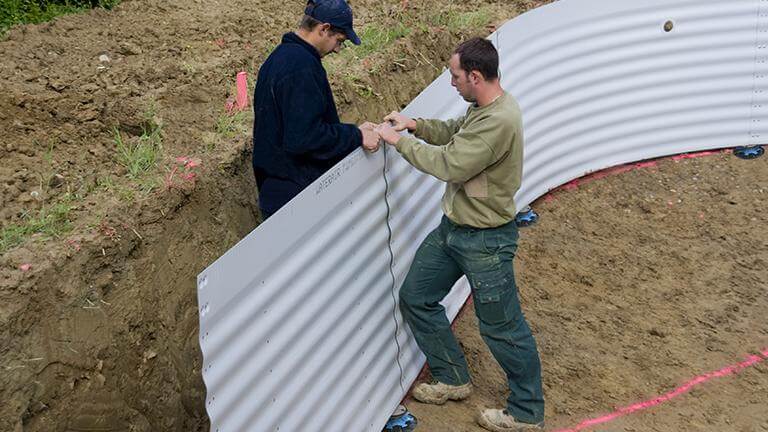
{"type": "Point", "coordinates": [141, 187]}
{"type": "Point", "coordinates": [140, 155]}
{"type": "Point", "coordinates": [51, 222]}
{"type": "Point", "coordinates": [374, 38]}
{"type": "Point", "coordinates": [13, 12]}
{"type": "Point", "coordinates": [229, 125]}
{"type": "Point", "coordinates": [453, 20]}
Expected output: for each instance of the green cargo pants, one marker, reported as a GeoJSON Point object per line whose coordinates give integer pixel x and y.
{"type": "Point", "coordinates": [485, 257]}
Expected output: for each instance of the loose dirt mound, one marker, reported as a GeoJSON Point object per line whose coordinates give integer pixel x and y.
{"type": "Point", "coordinates": [634, 285]}
{"type": "Point", "coordinates": [123, 176]}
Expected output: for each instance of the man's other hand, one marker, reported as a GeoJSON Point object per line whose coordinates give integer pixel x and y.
{"type": "Point", "coordinates": [370, 137]}
{"type": "Point", "coordinates": [400, 122]}
{"type": "Point", "coordinates": [388, 133]}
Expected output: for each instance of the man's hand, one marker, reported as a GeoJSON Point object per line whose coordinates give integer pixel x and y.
{"type": "Point", "coordinates": [400, 122]}
{"type": "Point", "coordinates": [388, 133]}
{"type": "Point", "coordinates": [370, 137]}
{"type": "Point", "coordinates": [367, 126]}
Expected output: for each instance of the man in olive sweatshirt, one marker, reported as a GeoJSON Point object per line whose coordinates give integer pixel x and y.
{"type": "Point", "coordinates": [480, 157]}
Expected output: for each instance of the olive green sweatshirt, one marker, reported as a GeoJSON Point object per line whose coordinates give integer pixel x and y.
{"type": "Point", "coordinates": [479, 156]}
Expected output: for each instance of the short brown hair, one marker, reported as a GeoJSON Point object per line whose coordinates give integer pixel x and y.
{"type": "Point", "coordinates": [309, 23]}
{"type": "Point", "coordinates": [479, 54]}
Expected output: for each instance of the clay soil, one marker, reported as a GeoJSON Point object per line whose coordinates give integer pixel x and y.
{"type": "Point", "coordinates": [628, 296]}
{"type": "Point", "coordinates": [635, 284]}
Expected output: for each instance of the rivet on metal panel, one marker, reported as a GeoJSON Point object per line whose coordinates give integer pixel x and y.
{"type": "Point", "coordinates": [668, 26]}
{"type": "Point", "coordinates": [202, 283]}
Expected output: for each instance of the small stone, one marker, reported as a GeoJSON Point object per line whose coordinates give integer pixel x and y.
{"type": "Point", "coordinates": [128, 48]}
{"type": "Point", "coordinates": [104, 58]}
{"type": "Point", "coordinates": [89, 88]}
{"type": "Point", "coordinates": [57, 85]}
{"type": "Point", "coordinates": [56, 181]}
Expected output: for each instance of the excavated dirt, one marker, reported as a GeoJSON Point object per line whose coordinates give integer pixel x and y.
{"type": "Point", "coordinates": [628, 296]}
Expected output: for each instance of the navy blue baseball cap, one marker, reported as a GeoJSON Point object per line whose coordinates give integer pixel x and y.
{"type": "Point", "coordinates": [334, 12]}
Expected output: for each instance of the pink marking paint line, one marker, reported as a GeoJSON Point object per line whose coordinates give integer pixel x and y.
{"type": "Point", "coordinates": [701, 379]}
{"type": "Point", "coordinates": [695, 155]}
{"type": "Point", "coordinates": [619, 169]}
{"type": "Point", "coordinates": [242, 90]}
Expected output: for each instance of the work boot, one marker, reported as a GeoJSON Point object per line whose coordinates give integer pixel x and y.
{"type": "Point", "coordinates": [438, 393]}
{"type": "Point", "coordinates": [497, 420]}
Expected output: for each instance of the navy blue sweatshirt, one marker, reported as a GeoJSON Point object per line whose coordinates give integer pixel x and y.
{"type": "Point", "coordinates": [297, 135]}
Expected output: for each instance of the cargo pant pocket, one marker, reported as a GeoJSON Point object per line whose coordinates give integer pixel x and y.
{"type": "Point", "coordinates": [491, 309]}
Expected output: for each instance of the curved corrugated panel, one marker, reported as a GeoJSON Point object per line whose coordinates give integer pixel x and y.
{"type": "Point", "coordinates": [297, 321]}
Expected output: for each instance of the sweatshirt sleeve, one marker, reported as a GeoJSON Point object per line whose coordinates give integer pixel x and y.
{"type": "Point", "coordinates": [301, 102]}
{"type": "Point", "coordinates": [465, 155]}
{"type": "Point", "coordinates": [437, 132]}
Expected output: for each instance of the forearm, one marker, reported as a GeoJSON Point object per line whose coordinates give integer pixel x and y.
{"type": "Point", "coordinates": [437, 132]}
{"type": "Point", "coordinates": [449, 163]}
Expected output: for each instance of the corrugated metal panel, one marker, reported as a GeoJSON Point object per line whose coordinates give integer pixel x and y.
{"type": "Point", "coordinates": [296, 321]}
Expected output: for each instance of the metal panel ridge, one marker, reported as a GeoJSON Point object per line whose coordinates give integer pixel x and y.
{"type": "Point", "coordinates": [299, 327]}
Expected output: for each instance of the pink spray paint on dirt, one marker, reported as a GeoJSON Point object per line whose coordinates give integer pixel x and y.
{"type": "Point", "coordinates": [701, 379]}
{"type": "Point", "coordinates": [619, 169]}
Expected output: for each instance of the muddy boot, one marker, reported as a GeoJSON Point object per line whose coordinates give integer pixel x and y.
{"type": "Point", "coordinates": [438, 393]}
{"type": "Point", "coordinates": [497, 420]}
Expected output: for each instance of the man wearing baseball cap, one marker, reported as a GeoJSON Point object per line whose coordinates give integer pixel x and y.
{"type": "Point", "coordinates": [297, 134]}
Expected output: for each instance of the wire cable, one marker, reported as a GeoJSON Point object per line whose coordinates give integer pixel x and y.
{"type": "Point", "coordinates": [392, 267]}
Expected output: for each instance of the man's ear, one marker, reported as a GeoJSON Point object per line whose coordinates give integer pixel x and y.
{"type": "Point", "coordinates": [476, 77]}
{"type": "Point", "coordinates": [325, 28]}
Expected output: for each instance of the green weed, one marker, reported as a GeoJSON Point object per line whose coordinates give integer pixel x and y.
{"type": "Point", "coordinates": [374, 38]}
{"type": "Point", "coordinates": [13, 12]}
{"type": "Point", "coordinates": [51, 222]}
{"type": "Point", "coordinates": [142, 187]}
{"type": "Point", "coordinates": [140, 157]}
{"type": "Point", "coordinates": [229, 125]}
{"type": "Point", "coordinates": [456, 21]}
